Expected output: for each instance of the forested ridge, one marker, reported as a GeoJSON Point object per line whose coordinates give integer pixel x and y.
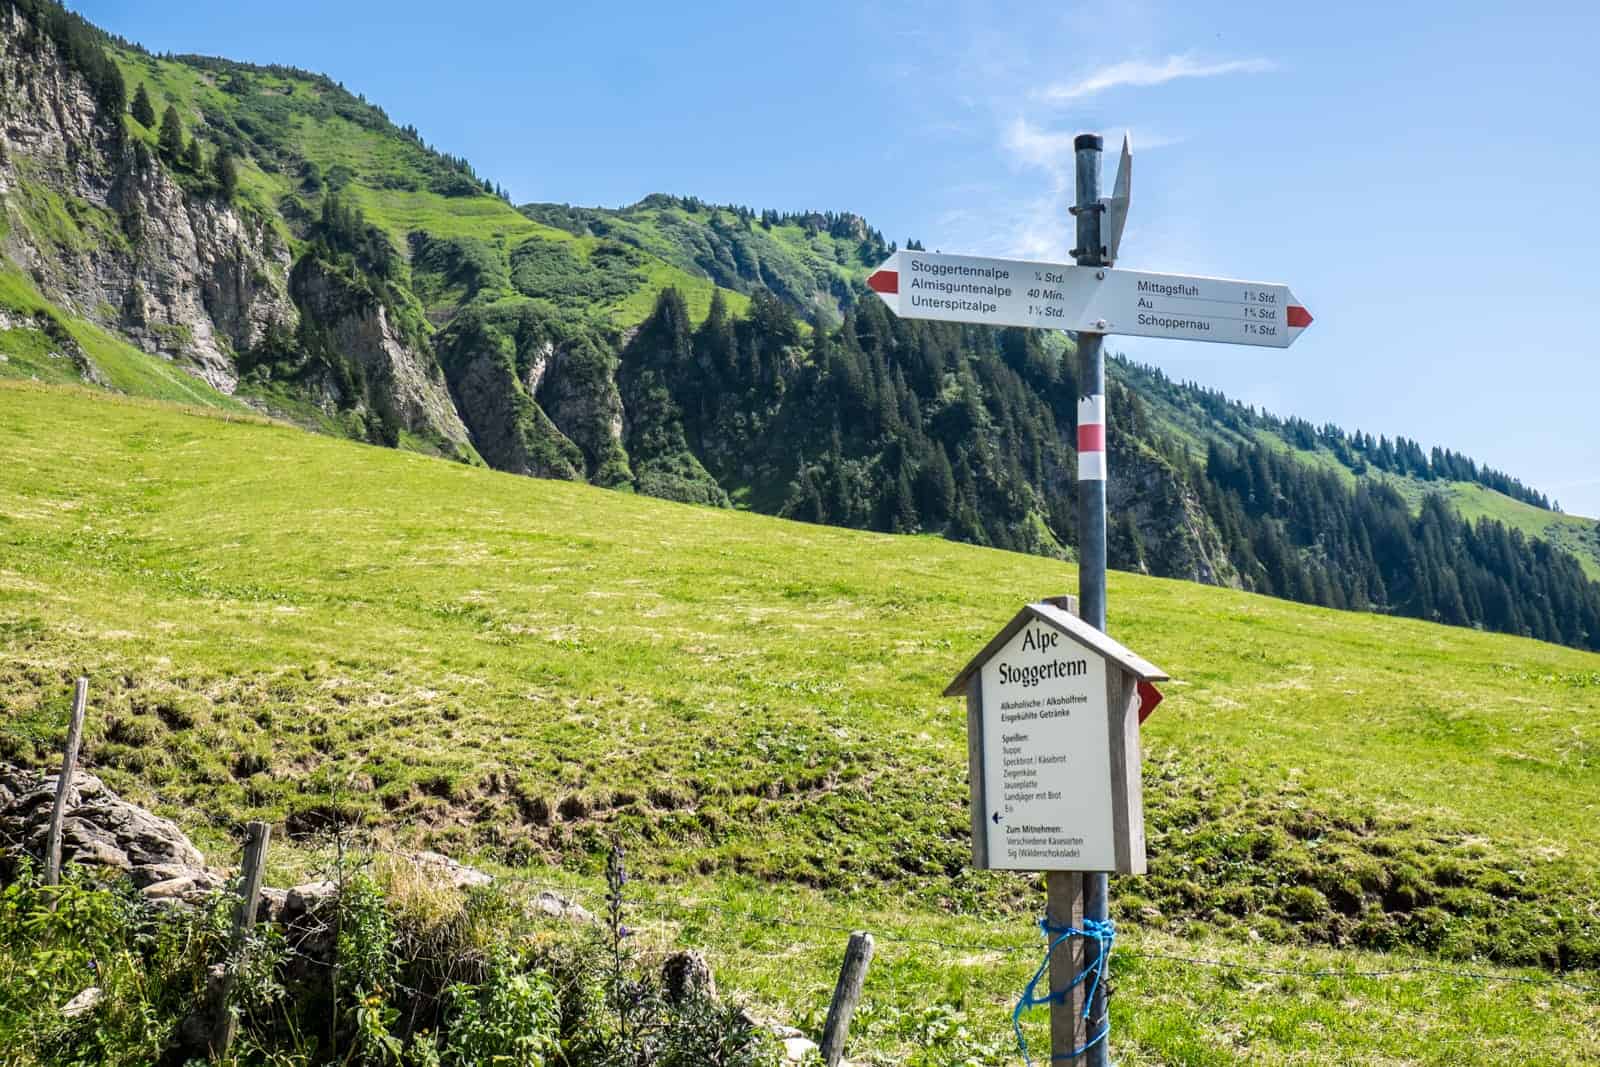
{"type": "Point", "coordinates": [1302, 534]}
{"type": "Point", "coordinates": [1355, 450]}
{"type": "Point", "coordinates": [908, 426]}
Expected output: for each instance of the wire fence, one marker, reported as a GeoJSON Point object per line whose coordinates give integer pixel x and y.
{"type": "Point", "coordinates": [317, 925]}
{"type": "Point", "coordinates": [310, 936]}
{"type": "Point", "coordinates": [676, 910]}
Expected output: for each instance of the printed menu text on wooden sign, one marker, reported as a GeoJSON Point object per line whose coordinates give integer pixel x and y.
{"type": "Point", "coordinates": [1046, 764]}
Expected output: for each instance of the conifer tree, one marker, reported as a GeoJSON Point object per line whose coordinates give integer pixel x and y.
{"type": "Point", "coordinates": [1126, 544]}
{"type": "Point", "coordinates": [226, 173]}
{"type": "Point", "coordinates": [807, 506]}
{"type": "Point", "coordinates": [716, 340]}
{"type": "Point", "coordinates": [143, 110]}
{"type": "Point", "coordinates": [170, 140]}
{"type": "Point", "coordinates": [194, 158]}
{"type": "Point", "coordinates": [903, 505]}
{"type": "Point", "coordinates": [936, 486]}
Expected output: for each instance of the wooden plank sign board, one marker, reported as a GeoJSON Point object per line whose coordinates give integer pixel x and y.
{"type": "Point", "coordinates": [1053, 739]}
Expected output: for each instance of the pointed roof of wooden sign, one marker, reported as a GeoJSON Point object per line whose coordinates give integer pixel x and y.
{"type": "Point", "coordinates": [1073, 627]}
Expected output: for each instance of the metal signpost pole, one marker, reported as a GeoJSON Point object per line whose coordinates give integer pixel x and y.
{"type": "Point", "coordinates": [1092, 507]}
{"type": "Point", "coordinates": [1090, 298]}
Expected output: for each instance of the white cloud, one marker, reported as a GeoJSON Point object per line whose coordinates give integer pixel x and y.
{"type": "Point", "coordinates": [1140, 74]}
{"type": "Point", "coordinates": [1039, 227]}
{"type": "Point", "coordinates": [1036, 146]}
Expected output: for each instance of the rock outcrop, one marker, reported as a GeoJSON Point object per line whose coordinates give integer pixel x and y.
{"type": "Point", "coordinates": [1175, 537]}
{"type": "Point", "coordinates": [104, 230]}
{"type": "Point", "coordinates": [495, 365]}
{"type": "Point", "coordinates": [577, 388]}
{"type": "Point", "coordinates": [404, 380]}
{"type": "Point", "coordinates": [101, 829]}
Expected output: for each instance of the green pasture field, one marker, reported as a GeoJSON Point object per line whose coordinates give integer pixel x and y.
{"type": "Point", "coordinates": [286, 626]}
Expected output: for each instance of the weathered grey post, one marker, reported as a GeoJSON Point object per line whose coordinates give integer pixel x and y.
{"type": "Point", "coordinates": [1091, 505]}
{"type": "Point", "coordinates": [1063, 907]}
{"type": "Point", "coordinates": [257, 835]}
{"type": "Point", "coordinates": [846, 995]}
{"type": "Point", "coordinates": [69, 766]}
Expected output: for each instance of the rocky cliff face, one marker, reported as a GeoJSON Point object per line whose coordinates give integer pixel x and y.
{"type": "Point", "coordinates": [403, 381]}
{"type": "Point", "coordinates": [1173, 535]}
{"type": "Point", "coordinates": [494, 370]}
{"type": "Point", "coordinates": [102, 229]}
{"type": "Point", "coordinates": [577, 388]}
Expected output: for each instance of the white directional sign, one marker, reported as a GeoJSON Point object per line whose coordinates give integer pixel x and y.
{"type": "Point", "coordinates": [1017, 292]}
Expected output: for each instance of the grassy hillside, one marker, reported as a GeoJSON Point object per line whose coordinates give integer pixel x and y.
{"type": "Point", "coordinates": [815, 261]}
{"type": "Point", "coordinates": [284, 119]}
{"type": "Point", "coordinates": [279, 625]}
{"type": "Point", "coordinates": [1577, 534]}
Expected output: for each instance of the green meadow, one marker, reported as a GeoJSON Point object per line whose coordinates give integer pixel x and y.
{"type": "Point", "coordinates": [292, 627]}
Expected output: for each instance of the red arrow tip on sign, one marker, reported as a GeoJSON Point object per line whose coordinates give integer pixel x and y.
{"type": "Point", "coordinates": [1149, 697]}
{"type": "Point", "coordinates": [884, 281]}
{"type": "Point", "coordinates": [1299, 316]}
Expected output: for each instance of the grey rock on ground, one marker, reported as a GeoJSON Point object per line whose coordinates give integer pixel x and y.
{"type": "Point", "coordinates": [795, 1049]}
{"type": "Point", "coordinates": [102, 829]}
{"type": "Point", "coordinates": [309, 898]}
{"type": "Point", "coordinates": [686, 974]}
{"type": "Point", "coordinates": [83, 1003]}
{"type": "Point", "coordinates": [441, 867]}
{"type": "Point", "coordinates": [555, 906]}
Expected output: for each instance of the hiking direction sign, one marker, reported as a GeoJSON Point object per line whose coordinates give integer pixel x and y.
{"type": "Point", "coordinates": [1063, 296]}
{"type": "Point", "coordinates": [1053, 713]}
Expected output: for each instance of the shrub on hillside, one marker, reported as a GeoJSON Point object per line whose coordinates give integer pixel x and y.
{"type": "Point", "coordinates": [407, 972]}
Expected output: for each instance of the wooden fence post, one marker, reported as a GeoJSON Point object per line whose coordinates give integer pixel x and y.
{"type": "Point", "coordinates": [1064, 908]}
{"type": "Point", "coordinates": [846, 995]}
{"type": "Point", "coordinates": [69, 765]}
{"type": "Point", "coordinates": [244, 921]}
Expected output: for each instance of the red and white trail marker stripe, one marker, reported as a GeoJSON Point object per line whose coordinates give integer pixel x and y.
{"type": "Point", "coordinates": [884, 281]}
{"type": "Point", "coordinates": [1092, 438]}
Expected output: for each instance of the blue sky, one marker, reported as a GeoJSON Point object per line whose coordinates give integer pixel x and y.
{"type": "Point", "coordinates": [1422, 175]}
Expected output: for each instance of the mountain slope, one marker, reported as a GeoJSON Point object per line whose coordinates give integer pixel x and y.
{"type": "Point", "coordinates": [287, 243]}
{"type": "Point", "coordinates": [302, 134]}
{"type": "Point", "coordinates": [283, 625]}
{"type": "Point", "coordinates": [255, 285]}
{"type": "Point", "coordinates": [1198, 417]}
{"type": "Point", "coordinates": [814, 261]}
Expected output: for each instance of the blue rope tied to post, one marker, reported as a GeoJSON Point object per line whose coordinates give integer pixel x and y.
{"type": "Point", "coordinates": [1102, 934]}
